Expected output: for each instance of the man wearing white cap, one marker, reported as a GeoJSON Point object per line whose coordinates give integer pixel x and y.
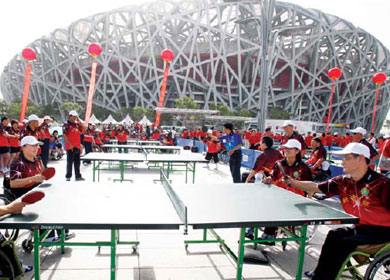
{"type": "Point", "coordinates": [289, 133]}
{"type": "Point", "coordinates": [45, 138]}
{"type": "Point", "coordinates": [31, 129]}
{"type": "Point", "coordinates": [72, 130]}
{"type": "Point", "coordinates": [358, 137]}
{"type": "Point", "coordinates": [363, 193]}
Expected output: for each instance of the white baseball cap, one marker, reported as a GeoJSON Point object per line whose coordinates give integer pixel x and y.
{"type": "Point", "coordinates": [292, 143]}
{"type": "Point", "coordinates": [355, 148]}
{"type": "Point", "coordinates": [33, 118]}
{"type": "Point", "coordinates": [359, 129]}
{"type": "Point", "coordinates": [29, 140]}
{"type": "Point", "coordinates": [73, 113]}
{"type": "Point", "coordinates": [210, 131]}
{"type": "Point", "coordinates": [47, 118]}
{"type": "Point", "coordinates": [25, 121]}
{"type": "Point", "coordinates": [287, 123]}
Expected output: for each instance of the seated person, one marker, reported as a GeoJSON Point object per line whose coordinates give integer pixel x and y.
{"type": "Point", "coordinates": [265, 161]}
{"type": "Point", "coordinates": [15, 207]}
{"type": "Point", "coordinates": [317, 160]}
{"type": "Point", "coordinates": [363, 193]}
{"type": "Point", "coordinates": [26, 171]}
{"type": "Point", "coordinates": [294, 167]}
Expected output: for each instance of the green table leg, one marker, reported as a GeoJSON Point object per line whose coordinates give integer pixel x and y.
{"type": "Point", "coordinates": [113, 254]}
{"type": "Point", "coordinates": [94, 169]}
{"type": "Point", "coordinates": [62, 241]}
{"type": "Point", "coordinates": [240, 257]}
{"type": "Point", "coordinates": [37, 261]}
{"type": "Point", "coordinates": [193, 172]}
{"type": "Point", "coordinates": [302, 245]}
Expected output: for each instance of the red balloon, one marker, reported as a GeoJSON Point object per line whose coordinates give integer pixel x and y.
{"type": "Point", "coordinates": [94, 49]}
{"type": "Point", "coordinates": [29, 54]}
{"type": "Point", "coordinates": [167, 55]}
{"type": "Point", "coordinates": [335, 73]}
{"type": "Point", "coordinates": [379, 78]}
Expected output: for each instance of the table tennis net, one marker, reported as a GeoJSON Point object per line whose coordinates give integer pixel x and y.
{"type": "Point", "coordinates": [178, 204]}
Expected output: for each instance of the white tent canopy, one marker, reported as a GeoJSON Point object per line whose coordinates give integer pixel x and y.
{"type": "Point", "coordinates": [109, 120]}
{"type": "Point", "coordinates": [93, 119]}
{"type": "Point", "coordinates": [127, 120]}
{"type": "Point", "coordinates": [145, 122]}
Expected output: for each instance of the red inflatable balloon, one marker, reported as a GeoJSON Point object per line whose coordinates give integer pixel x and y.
{"type": "Point", "coordinates": [29, 54]}
{"type": "Point", "coordinates": [379, 78]}
{"type": "Point", "coordinates": [167, 55]}
{"type": "Point", "coordinates": [94, 49]}
{"type": "Point", "coordinates": [334, 73]}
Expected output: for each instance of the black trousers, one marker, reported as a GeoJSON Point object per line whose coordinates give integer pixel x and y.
{"type": "Point", "coordinates": [235, 166]}
{"type": "Point", "coordinates": [45, 151]}
{"type": "Point", "coordinates": [88, 149]}
{"type": "Point", "coordinates": [73, 158]}
{"type": "Point", "coordinates": [340, 242]}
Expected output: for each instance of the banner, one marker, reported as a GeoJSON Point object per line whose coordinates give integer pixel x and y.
{"type": "Point", "coordinates": [27, 80]}
{"type": "Point", "coordinates": [91, 92]}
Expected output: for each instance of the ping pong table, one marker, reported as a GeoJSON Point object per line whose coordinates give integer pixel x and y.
{"type": "Point", "coordinates": [224, 206]}
{"type": "Point", "coordinates": [167, 162]}
{"type": "Point", "coordinates": [154, 148]}
{"type": "Point", "coordinates": [250, 205]}
{"type": "Point", "coordinates": [94, 207]}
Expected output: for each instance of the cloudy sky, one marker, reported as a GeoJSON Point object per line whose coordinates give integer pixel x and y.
{"type": "Point", "coordinates": [23, 21]}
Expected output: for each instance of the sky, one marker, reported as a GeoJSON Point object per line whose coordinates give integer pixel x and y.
{"type": "Point", "coordinates": [23, 21]}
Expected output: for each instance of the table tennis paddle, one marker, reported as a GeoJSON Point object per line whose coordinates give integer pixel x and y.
{"type": "Point", "coordinates": [49, 173]}
{"type": "Point", "coordinates": [283, 171]}
{"type": "Point", "coordinates": [33, 197]}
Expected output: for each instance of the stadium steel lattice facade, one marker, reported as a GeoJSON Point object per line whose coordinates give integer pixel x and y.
{"type": "Point", "coordinates": [218, 48]}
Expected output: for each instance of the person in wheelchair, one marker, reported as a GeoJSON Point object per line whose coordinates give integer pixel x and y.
{"type": "Point", "coordinates": [363, 193]}
{"type": "Point", "coordinates": [293, 166]}
{"type": "Point", "coordinates": [7, 251]}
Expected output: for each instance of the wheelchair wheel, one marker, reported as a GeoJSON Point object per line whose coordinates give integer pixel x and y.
{"type": "Point", "coordinates": [9, 234]}
{"type": "Point", "coordinates": [6, 267]}
{"type": "Point", "coordinates": [379, 269]}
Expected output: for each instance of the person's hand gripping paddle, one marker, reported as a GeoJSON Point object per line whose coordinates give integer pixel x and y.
{"type": "Point", "coordinates": [32, 197]}
{"type": "Point", "coordinates": [285, 176]}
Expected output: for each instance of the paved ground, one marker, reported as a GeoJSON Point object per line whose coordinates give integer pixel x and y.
{"type": "Point", "coordinates": [161, 254]}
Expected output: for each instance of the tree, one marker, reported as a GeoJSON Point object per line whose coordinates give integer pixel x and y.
{"type": "Point", "coordinates": [3, 108]}
{"type": "Point", "coordinates": [49, 110]}
{"type": "Point", "coordinates": [245, 113]}
{"type": "Point", "coordinates": [278, 113]}
{"type": "Point", "coordinates": [100, 112]}
{"type": "Point", "coordinates": [69, 106]}
{"type": "Point", "coordinates": [14, 109]}
{"type": "Point", "coordinates": [139, 112]}
{"type": "Point", "coordinates": [186, 103]}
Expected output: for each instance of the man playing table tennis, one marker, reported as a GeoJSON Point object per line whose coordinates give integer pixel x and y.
{"type": "Point", "coordinates": [363, 193]}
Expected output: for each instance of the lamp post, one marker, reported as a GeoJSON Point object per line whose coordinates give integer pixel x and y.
{"type": "Point", "coordinates": [29, 55]}
{"type": "Point", "coordinates": [334, 74]}
{"type": "Point", "coordinates": [166, 55]}
{"type": "Point", "coordinates": [378, 79]}
{"type": "Point", "coordinates": [94, 50]}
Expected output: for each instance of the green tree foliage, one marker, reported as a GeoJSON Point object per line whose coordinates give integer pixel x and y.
{"type": "Point", "coordinates": [49, 110]}
{"type": "Point", "coordinates": [186, 103]}
{"type": "Point", "coordinates": [66, 107]}
{"type": "Point", "coordinates": [139, 112]}
{"type": "Point", "coordinates": [245, 113]}
{"type": "Point", "coordinates": [100, 112]}
{"type": "Point", "coordinates": [13, 111]}
{"type": "Point", "coordinates": [278, 113]}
